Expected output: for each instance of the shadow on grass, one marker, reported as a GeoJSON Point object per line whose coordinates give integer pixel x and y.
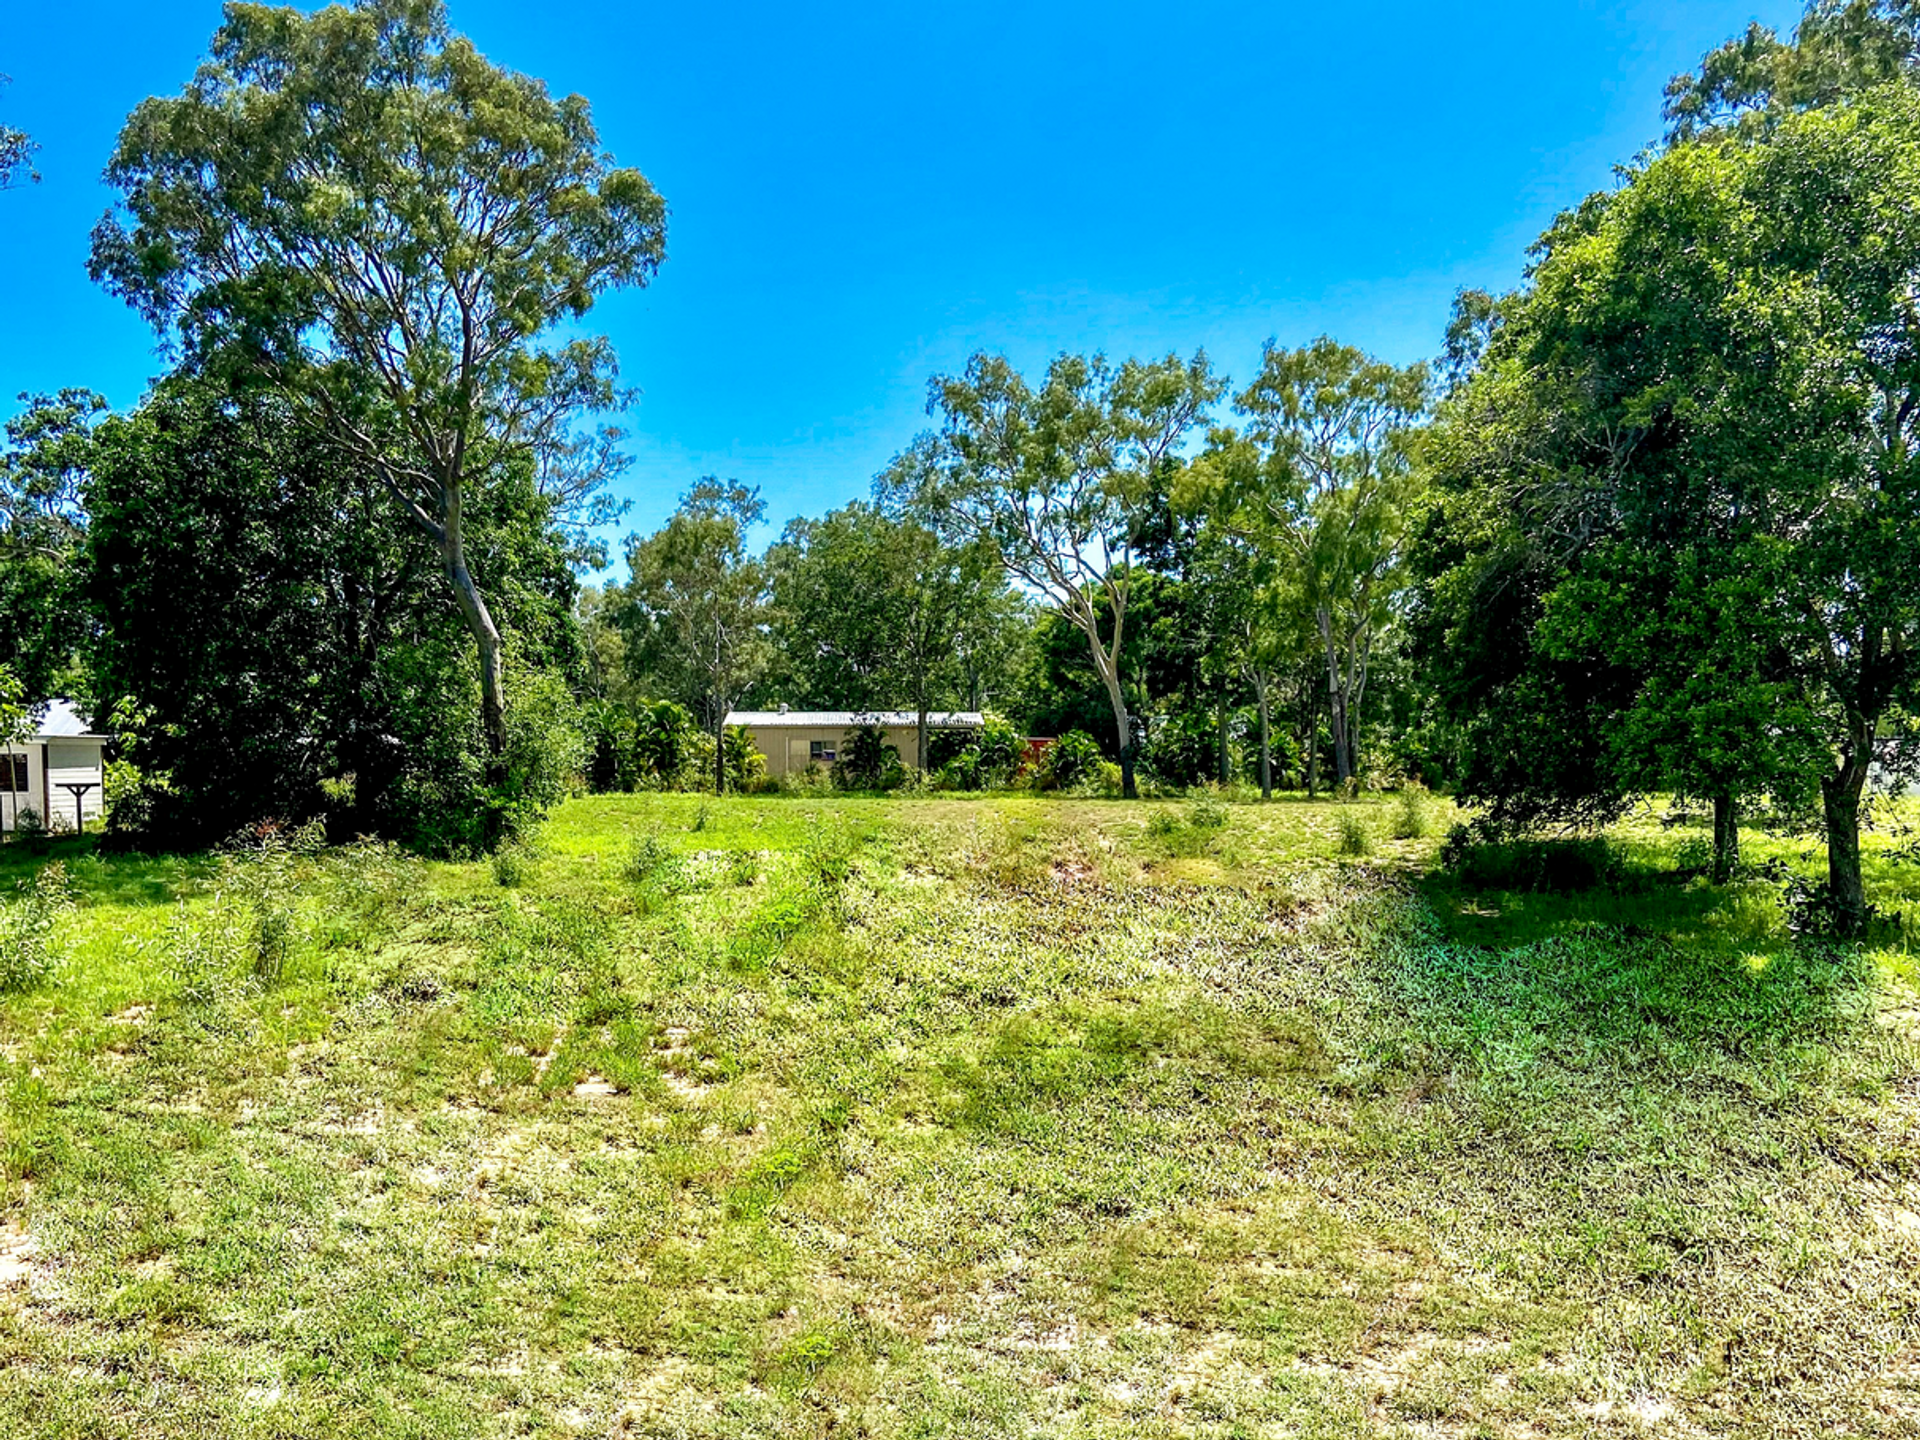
{"type": "Point", "coordinates": [103, 877]}
{"type": "Point", "coordinates": [1646, 966]}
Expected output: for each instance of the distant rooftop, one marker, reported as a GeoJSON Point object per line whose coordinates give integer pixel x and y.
{"type": "Point", "coordinates": [63, 722]}
{"type": "Point", "coordinates": [852, 719]}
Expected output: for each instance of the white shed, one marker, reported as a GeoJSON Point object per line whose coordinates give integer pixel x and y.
{"type": "Point", "coordinates": [58, 772]}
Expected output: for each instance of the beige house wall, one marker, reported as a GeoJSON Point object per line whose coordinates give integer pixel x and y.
{"type": "Point", "coordinates": [787, 747]}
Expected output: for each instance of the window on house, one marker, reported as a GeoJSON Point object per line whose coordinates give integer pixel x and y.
{"type": "Point", "coordinates": [13, 773]}
{"type": "Point", "coordinates": [820, 752]}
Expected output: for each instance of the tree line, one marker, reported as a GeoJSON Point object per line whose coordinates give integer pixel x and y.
{"type": "Point", "coordinates": [1647, 522]}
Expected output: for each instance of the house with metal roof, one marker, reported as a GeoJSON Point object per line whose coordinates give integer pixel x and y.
{"type": "Point", "coordinates": [791, 740]}
{"type": "Point", "coordinates": [58, 771]}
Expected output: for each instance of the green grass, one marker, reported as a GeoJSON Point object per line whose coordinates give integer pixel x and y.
{"type": "Point", "coordinates": [851, 1116]}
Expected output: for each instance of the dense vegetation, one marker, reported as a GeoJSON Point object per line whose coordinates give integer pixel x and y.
{"type": "Point", "coordinates": [1650, 524]}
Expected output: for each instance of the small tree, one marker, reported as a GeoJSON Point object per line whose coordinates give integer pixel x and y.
{"type": "Point", "coordinates": [1056, 481]}
{"type": "Point", "coordinates": [695, 611]}
{"type": "Point", "coordinates": [1320, 475]}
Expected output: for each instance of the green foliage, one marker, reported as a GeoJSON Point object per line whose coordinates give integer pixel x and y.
{"type": "Point", "coordinates": [875, 611]}
{"type": "Point", "coordinates": [1321, 476]}
{"type": "Point", "coordinates": [986, 759]}
{"type": "Point", "coordinates": [1748, 85]}
{"type": "Point", "coordinates": [1184, 749]}
{"type": "Point", "coordinates": [1196, 832]}
{"type": "Point", "coordinates": [1057, 480]}
{"type": "Point", "coordinates": [866, 761]}
{"type": "Point", "coordinates": [693, 614]}
{"type": "Point", "coordinates": [356, 210]}
{"type": "Point", "coordinates": [1350, 827]}
{"type": "Point", "coordinates": [746, 766]}
{"type": "Point", "coordinates": [27, 922]}
{"type": "Point", "coordinates": [1411, 819]}
{"type": "Point", "coordinates": [1072, 760]}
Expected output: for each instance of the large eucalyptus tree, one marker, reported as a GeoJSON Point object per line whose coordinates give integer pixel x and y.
{"type": "Point", "coordinates": [356, 208]}
{"type": "Point", "coordinates": [1057, 480]}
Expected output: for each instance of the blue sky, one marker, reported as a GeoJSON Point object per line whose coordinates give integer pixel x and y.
{"type": "Point", "coordinates": [864, 195]}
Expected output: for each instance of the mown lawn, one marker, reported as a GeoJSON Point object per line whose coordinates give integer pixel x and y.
{"type": "Point", "coordinates": [981, 1118]}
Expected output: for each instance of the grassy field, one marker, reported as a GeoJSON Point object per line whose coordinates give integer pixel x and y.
{"type": "Point", "coordinates": [984, 1118]}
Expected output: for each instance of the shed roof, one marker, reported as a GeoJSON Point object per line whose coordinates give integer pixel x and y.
{"type": "Point", "coordinates": [849, 719]}
{"type": "Point", "coordinates": [62, 722]}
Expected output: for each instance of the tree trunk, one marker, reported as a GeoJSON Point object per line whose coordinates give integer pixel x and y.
{"type": "Point", "coordinates": [1726, 838]}
{"type": "Point", "coordinates": [921, 752]}
{"type": "Point", "coordinates": [1226, 769]}
{"type": "Point", "coordinates": [486, 637]}
{"type": "Point", "coordinates": [1123, 724]}
{"type": "Point", "coordinates": [1313, 742]}
{"type": "Point", "coordinates": [1266, 736]}
{"type": "Point", "coordinates": [720, 752]}
{"type": "Point", "coordinates": [1841, 793]}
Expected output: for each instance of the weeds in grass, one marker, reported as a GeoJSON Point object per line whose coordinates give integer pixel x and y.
{"type": "Point", "coordinates": [1192, 834]}
{"type": "Point", "coordinates": [649, 858]}
{"type": "Point", "coordinates": [1410, 812]}
{"type": "Point", "coordinates": [513, 866]}
{"type": "Point", "coordinates": [743, 867]}
{"type": "Point", "coordinates": [27, 927]}
{"type": "Point", "coordinates": [1351, 830]}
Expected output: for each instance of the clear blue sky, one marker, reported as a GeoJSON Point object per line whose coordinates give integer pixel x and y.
{"type": "Point", "coordinates": [864, 195]}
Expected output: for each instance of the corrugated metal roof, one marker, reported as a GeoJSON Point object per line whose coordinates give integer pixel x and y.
{"type": "Point", "coordinates": [852, 719]}
{"type": "Point", "coordinates": [63, 722]}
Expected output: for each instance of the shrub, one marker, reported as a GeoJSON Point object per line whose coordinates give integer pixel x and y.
{"type": "Point", "coordinates": [1354, 836]}
{"type": "Point", "coordinates": [983, 759]}
{"type": "Point", "coordinates": [512, 866]}
{"type": "Point", "coordinates": [746, 766]}
{"type": "Point", "coordinates": [1071, 760]}
{"type": "Point", "coordinates": [866, 761]}
{"type": "Point", "coordinates": [647, 858]}
{"type": "Point", "coordinates": [30, 828]}
{"type": "Point", "coordinates": [1184, 749]}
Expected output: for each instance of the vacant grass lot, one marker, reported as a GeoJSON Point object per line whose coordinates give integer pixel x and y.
{"type": "Point", "coordinates": [955, 1118]}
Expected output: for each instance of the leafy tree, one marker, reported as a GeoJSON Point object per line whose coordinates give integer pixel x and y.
{"type": "Point", "coordinates": [695, 609]}
{"type": "Point", "coordinates": [870, 609]}
{"type": "Point", "coordinates": [355, 208]}
{"type": "Point", "coordinates": [253, 599]}
{"type": "Point", "coordinates": [1746, 86]}
{"type": "Point", "coordinates": [43, 522]}
{"type": "Point", "coordinates": [1056, 480]}
{"type": "Point", "coordinates": [1696, 447]}
{"type": "Point", "coordinates": [1320, 475]}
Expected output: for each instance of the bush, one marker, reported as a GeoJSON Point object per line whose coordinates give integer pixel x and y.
{"type": "Point", "coordinates": [1184, 749]}
{"type": "Point", "coordinates": [29, 828]}
{"type": "Point", "coordinates": [867, 762]}
{"type": "Point", "coordinates": [647, 858]}
{"type": "Point", "coordinates": [746, 766]}
{"type": "Point", "coordinates": [1355, 839]}
{"type": "Point", "coordinates": [1073, 759]}
{"type": "Point", "coordinates": [983, 759]}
